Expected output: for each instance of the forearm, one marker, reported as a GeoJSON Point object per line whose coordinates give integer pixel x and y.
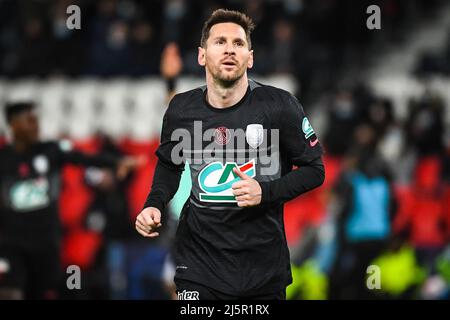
{"type": "Point", "coordinates": [294, 183]}
{"type": "Point", "coordinates": [165, 184]}
{"type": "Point", "coordinates": [80, 158]}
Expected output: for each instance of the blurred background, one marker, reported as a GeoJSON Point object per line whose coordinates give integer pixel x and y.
{"type": "Point", "coordinates": [378, 99]}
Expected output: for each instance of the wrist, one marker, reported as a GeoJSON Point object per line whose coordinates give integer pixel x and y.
{"type": "Point", "coordinates": [154, 204]}
{"type": "Point", "coordinates": [265, 192]}
{"type": "Point", "coordinates": [170, 83]}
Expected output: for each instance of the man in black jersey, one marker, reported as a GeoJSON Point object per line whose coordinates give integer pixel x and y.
{"type": "Point", "coordinates": [29, 189]}
{"type": "Point", "coordinates": [241, 140]}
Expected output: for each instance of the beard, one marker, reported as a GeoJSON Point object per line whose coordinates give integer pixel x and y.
{"type": "Point", "coordinates": [226, 79]}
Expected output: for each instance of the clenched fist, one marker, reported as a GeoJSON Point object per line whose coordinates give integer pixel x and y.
{"type": "Point", "coordinates": [148, 221]}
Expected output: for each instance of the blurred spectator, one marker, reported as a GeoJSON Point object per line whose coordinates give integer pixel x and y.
{"type": "Point", "coordinates": [424, 216]}
{"type": "Point", "coordinates": [367, 207]}
{"type": "Point", "coordinates": [67, 55]}
{"type": "Point", "coordinates": [380, 115]}
{"type": "Point", "coordinates": [389, 138]}
{"type": "Point", "coordinates": [283, 47]}
{"type": "Point", "coordinates": [342, 118]}
{"type": "Point", "coordinates": [108, 216]}
{"type": "Point", "coordinates": [425, 125]}
{"type": "Point", "coordinates": [174, 12]}
{"type": "Point", "coordinates": [144, 49]}
{"type": "Point", "coordinates": [434, 62]}
{"type": "Point", "coordinates": [170, 67]}
{"type": "Point", "coordinates": [111, 56]}
{"type": "Point", "coordinates": [31, 56]}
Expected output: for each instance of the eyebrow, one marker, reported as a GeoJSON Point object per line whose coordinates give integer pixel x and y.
{"type": "Point", "coordinates": [224, 38]}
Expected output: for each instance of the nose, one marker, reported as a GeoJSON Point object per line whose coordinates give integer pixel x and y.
{"type": "Point", "coordinates": [229, 49]}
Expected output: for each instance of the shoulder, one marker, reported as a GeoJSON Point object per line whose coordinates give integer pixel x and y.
{"type": "Point", "coordinates": [270, 92]}
{"type": "Point", "coordinates": [180, 100]}
{"type": "Point", "coordinates": [283, 105]}
{"type": "Point", "coordinates": [180, 104]}
{"type": "Point", "coordinates": [63, 145]}
{"type": "Point", "coordinates": [279, 99]}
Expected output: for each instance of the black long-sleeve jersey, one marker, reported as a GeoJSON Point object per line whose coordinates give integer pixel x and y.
{"type": "Point", "coordinates": [236, 250]}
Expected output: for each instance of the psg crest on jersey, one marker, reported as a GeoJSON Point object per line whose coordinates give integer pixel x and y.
{"type": "Point", "coordinates": [222, 135]}
{"type": "Point", "coordinates": [254, 135]}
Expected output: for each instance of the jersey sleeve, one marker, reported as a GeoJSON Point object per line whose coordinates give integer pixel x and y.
{"type": "Point", "coordinates": [66, 154]}
{"type": "Point", "coordinates": [168, 169]}
{"type": "Point", "coordinates": [297, 135]}
{"type": "Point", "coordinates": [300, 144]}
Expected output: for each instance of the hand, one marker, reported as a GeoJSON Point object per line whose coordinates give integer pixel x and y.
{"type": "Point", "coordinates": [171, 63]}
{"type": "Point", "coordinates": [127, 164]}
{"type": "Point", "coordinates": [148, 221]}
{"type": "Point", "coordinates": [247, 191]}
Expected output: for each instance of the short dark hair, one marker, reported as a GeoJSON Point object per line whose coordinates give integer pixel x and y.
{"type": "Point", "coordinates": [14, 108]}
{"type": "Point", "coordinates": [222, 16]}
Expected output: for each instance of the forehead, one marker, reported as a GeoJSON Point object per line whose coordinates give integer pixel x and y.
{"type": "Point", "coordinates": [227, 30]}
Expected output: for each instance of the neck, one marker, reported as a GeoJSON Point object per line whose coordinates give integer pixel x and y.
{"type": "Point", "coordinates": [221, 96]}
{"type": "Point", "coordinates": [21, 146]}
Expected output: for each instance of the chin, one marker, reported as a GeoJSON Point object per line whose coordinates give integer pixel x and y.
{"type": "Point", "coordinates": [230, 78]}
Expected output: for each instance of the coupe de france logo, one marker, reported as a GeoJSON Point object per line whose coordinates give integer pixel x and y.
{"type": "Point", "coordinates": [216, 180]}
{"type": "Point", "coordinates": [307, 128]}
{"type": "Point", "coordinates": [254, 135]}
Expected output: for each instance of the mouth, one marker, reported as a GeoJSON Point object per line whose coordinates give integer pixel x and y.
{"type": "Point", "coordinates": [229, 63]}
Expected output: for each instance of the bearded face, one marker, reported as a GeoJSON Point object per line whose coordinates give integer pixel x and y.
{"type": "Point", "coordinates": [226, 55]}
